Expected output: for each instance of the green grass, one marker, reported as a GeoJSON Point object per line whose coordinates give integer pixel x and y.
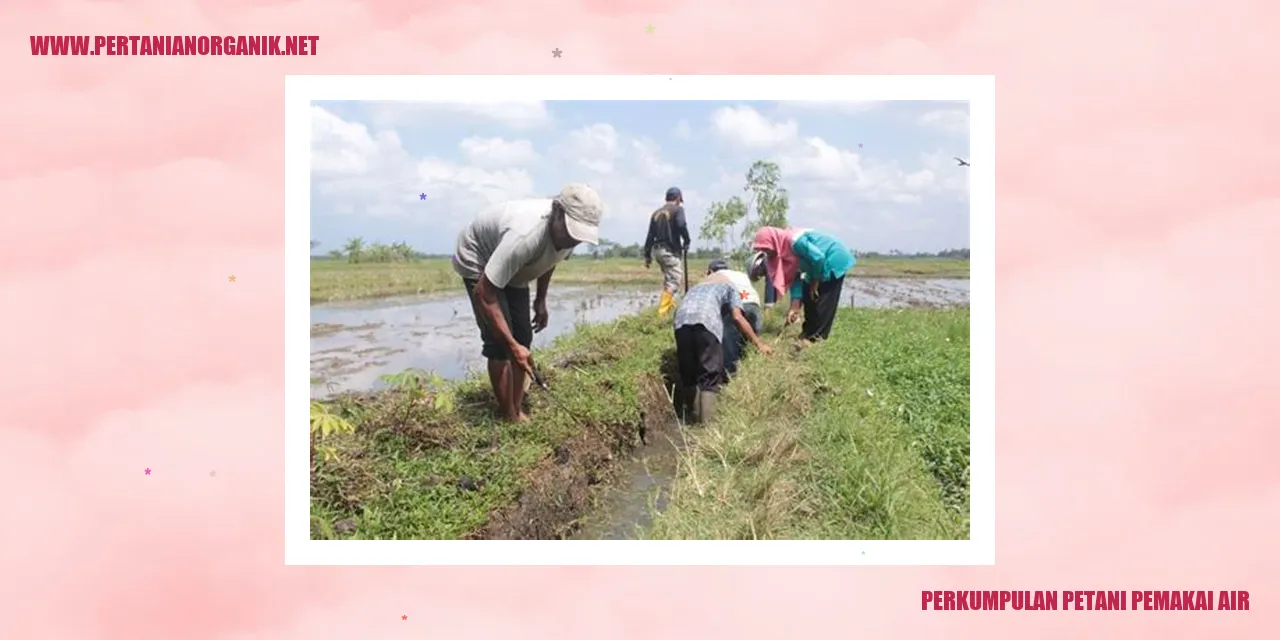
{"type": "Point", "coordinates": [336, 280]}
{"type": "Point", "coordinates": [863, 436]}
{"type": "Point", "coordinates": [398, 476]}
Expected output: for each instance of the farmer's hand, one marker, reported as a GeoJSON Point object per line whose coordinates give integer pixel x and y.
{"type": "Point", "coordinates": [813, 290]}
{"type": "Point", "coordinates": [522, 358]}
{"type": "Point", "coordinates": [646, 263]}
{"type": "Point", "coordinates": [763, 348]}
{"type": "Point", "coordinates": [793, 315]}
{"type": "Point", "coordinates": [540, 315]}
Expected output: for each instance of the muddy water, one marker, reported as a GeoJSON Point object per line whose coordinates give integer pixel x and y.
{"type": "Point", "coordinates": [353, 344]}
{"type": "Point", "coordinates": [902, 292]}
{"type": "Point", "coordinates": [644, 486]}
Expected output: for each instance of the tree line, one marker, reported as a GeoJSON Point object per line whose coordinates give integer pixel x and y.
{"type": "Point", "coordinates": [356, 251]}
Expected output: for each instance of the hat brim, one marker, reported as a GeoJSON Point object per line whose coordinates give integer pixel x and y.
{"type": "Point", "coordinates": [581, 231]}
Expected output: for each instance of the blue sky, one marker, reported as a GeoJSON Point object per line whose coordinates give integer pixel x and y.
{"type": "Point", "coordinates": [900, 190]}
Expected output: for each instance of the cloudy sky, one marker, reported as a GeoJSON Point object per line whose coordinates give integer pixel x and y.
{"type": "Point", "coordinates": [879, 175]}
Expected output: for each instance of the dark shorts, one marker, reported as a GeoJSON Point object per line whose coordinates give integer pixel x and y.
{"type": "Point", "coordinates": [700, 358]}
{"type": "Point", "coordinates": [514, 302]}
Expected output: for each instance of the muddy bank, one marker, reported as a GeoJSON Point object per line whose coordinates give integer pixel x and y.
{"type": "Point", "coordinates": [606, 464]}
{"type": "Point", "coordinates": [567, 485]}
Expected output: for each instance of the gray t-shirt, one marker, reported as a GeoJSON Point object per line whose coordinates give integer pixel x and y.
{"type": "Point", "coordinates": [510, 243]}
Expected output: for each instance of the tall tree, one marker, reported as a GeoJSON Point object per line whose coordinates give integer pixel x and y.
{"type": "Point", "coordinates": [354, 249]}
{"type": "Point", "coordinates": [766, 199]}
{"type": "Point", "coordinates": [721, 219]}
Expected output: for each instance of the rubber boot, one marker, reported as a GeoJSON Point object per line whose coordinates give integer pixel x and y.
{"type": "Point", "coordinates": [665, 303]}
{"type": "Point", "coordinates": [706, 406]}
{"type": "Point", "coordinates": [688, 406]}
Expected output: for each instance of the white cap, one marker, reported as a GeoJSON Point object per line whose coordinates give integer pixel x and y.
{"type": "Point", "coordinates": [582, 207]}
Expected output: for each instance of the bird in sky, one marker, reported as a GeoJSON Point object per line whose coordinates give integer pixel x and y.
{"type": "Point", "coordinates": [962, 162]}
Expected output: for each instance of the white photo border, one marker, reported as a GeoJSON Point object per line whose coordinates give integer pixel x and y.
{"type": "Point", "coordinates": [978, 91]}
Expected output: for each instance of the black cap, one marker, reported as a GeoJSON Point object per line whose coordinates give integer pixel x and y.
{"type": "Point", "coordinates": [717, 265]}
{"type": "Point", "coordinates": [674, 194]}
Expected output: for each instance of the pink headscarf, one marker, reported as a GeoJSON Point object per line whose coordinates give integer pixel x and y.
{"type": "Point", "coordinates": [784, 266]}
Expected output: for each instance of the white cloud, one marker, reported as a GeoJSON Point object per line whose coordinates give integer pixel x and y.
{"type": "Point", "coordinates": [812, 165]}
{"type": "Point", "coordinates": [594, 148]}
{"type": "Point", "coordinates": [649, 158]}
{"type": "Point", "coordinates": [745, 127]}
{"type": "Point", "coordinates": [340, 148]}
{"type": "Point", "coordinates": [813, 158]}
{"type": "Point", "coordinates": [629, 172]}
{"type": "Point", "coordinates": [364, 170]}
{"type": "Point", "coordinates": [947, 176]}
{"type": "Point", "coordinates": [496, 152]}
{"type": "Point", "coordinates": [527, 114]}
{"type": "Point", "coordinates": [683, 131]}
{"type": "Point", "coordinates": [369, 173]}
{"type": "Point", "coordinates": [949, 121]}
{"type": "Point", "coordinates": [849, 174]}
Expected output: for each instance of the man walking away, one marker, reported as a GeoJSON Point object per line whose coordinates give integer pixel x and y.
{"type": "Point", "coordinates": [734, 340]}
{"type": "Point", "coordinates": [699, 332]}
{"type": "Point", "coordinates": [668, 240]}
{"type": "Point", "coordinates": [498, 254]}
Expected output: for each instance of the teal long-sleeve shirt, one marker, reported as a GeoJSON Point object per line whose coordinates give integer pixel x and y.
{"type": "Point", "coordinates": [821, 257]}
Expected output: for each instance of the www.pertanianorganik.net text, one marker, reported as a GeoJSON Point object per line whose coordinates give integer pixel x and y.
{"type": "Point", "coordinates": [174, 45]}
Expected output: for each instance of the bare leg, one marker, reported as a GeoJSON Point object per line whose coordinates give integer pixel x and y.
{"type": "Point", "coordinates": [518, 388]}
{"type": "Point", "coordinates": [500, 379]}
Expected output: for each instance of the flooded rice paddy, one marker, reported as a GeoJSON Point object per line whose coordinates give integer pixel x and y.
{"type": "Point", "coordinates": [353, 344]}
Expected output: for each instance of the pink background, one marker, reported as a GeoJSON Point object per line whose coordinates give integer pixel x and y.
{"type": "Point", "coordinates": [1138, 175]}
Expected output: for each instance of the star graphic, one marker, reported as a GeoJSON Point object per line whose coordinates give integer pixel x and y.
{"type": "Point", "coordinates": [744, 294]}
{"type": "Point", "coordinates": [556, 52]}
{"type": "Point", "coordinates": [422, 196]}
{"type": "Point", "coordinates": [648, 28]}
{"type": "Point", "coordinates": [148, 470]}
{"type": "Point", "coordinates": [231, 279]}
{"type": "Point", "coordinates": [404, 617]}
{"type": "Point", "coordinates": [213, 473]}
{"type": "Point", "coordinates": [859, 145]}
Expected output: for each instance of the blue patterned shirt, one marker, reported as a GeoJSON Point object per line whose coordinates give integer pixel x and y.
{"type": "Point", "coordinates": [704, 303]}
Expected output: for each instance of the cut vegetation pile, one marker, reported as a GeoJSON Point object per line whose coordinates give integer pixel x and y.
{"type": "Point", "coordinates": [863, 436]}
